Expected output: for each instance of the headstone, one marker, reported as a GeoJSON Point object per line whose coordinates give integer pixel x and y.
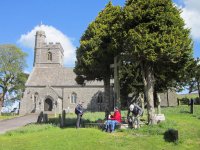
{"type": "Point", "coordinates": [63, 118]}
{"type": "Point", "coordinates": [40, 117]}
{"type": "Point", "coordinates": [159, 118]}
{"type": "Point", "coordinates": [45, 118]}
{"type": "Point", "coordinates": [60, 120]}
{"type": "Point", "coordinates": [191, 106]}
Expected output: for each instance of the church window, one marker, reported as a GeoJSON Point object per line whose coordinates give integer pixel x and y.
{"type": "Point", "coordinates": [73, 98]}
{"type": "Point", "coordinates": [49, 56]}
{"type": "Point", "coordinates": [35, 97]}
{"type": "Point", "coordinates": [100, 98]}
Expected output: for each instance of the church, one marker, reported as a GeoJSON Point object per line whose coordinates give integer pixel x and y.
{"type": "Point", "coordinates": [51, 87]}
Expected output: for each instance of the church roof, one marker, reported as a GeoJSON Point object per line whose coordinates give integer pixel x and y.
{"type": "Point", "coordinates": [59, 76]}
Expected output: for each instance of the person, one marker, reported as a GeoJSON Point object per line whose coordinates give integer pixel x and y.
{"type": "Point", "coordinates": [113, 120]}
{"type": "Point", "coordinates": [107, 113]}
{"type": "Point", "coordinates": [79, 113]}
{"type": "Point", "coordinates": [136, 113]}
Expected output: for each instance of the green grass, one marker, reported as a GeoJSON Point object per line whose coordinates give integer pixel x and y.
{"type": "Point", "coordinates": [7, 116]}
{"type": "Point", "coordinates": [43, 137]}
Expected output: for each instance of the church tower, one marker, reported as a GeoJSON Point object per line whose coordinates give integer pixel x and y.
{"type": "Point", "coordinates": [47, 55]}
{"type": "Point", "coordinates": [39, 42]}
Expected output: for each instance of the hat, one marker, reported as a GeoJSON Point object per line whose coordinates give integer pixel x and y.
{"type": "Point", "coordinates": [131, 107]}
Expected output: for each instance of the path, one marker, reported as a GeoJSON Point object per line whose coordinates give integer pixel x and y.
{"type": "Point", "coordinates": [11, 124]}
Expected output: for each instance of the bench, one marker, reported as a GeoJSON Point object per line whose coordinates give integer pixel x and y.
{"type": "Point", "coordinates": [101, 125]}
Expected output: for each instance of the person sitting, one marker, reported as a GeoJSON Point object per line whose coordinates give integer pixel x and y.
{"type": "Point", "coordinates": [136, 113]}
{"type": "Point", "coordinates": [113, 120]}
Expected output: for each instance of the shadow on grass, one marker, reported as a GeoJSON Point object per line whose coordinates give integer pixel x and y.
{"type": "Point", "coordinates": [71, 122]}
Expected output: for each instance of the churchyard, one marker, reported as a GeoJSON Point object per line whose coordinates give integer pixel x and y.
{"type": "Point", "coordinates": [49, 136]}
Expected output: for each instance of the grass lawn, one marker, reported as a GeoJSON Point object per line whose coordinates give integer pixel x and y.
{"type": "Point", "coordinates": [3, 117]}
{"type": "Point", "coordinates": [49, 137]}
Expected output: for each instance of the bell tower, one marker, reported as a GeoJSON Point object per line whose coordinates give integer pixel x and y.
{"type": "Point", "coordinates": [39, 43]}
{"type": "Point", "coordinates": [47, 55]}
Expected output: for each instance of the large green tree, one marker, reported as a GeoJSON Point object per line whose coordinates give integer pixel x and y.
{"type": "Point", "coordinates": [156, 38]}
{"type": "Point", "coordinates": [98, 46]}
{"type": "Point", "coordinates": [12, 63]}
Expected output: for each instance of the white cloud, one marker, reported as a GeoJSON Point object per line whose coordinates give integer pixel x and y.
{"type": "Point", "coordinates": [191, 15]}
{"type": "Point", "coordinates": [52, 35]}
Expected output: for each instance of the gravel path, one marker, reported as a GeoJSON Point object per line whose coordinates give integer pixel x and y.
{"type": "Point", "coordinates": [11, 124]}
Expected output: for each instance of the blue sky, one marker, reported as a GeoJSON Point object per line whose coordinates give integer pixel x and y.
{"type": "Point", "coordinates": [66, 20]}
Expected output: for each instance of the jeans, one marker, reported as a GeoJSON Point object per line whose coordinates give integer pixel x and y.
{"type": "Point", "coordinates": [78, 121]}
{"type": "Point", "coordinates": [111, 123]}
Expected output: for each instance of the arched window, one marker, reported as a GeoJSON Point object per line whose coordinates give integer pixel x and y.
{"type": "Point", "coordinates": [73, 98]}
{"type": "Point", "coordinates": [100, 98]}
{"type": "Point", "coordinates": [49, 56]}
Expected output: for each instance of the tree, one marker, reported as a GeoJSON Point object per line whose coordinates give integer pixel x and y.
{"type": "Point", "coordinates": [194, 77]}
{"type": "Point", "coordinates": [12, 63]}
{"type": "Point", "coordinates": [98, 48]}
{"type": "Point", "coordinates": [19, 86]}
{"type": "Point", "coordinates": [156, 38]}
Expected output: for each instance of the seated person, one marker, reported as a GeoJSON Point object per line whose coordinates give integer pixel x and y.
{"type": "Point", "coordinates": [136, 113]}
{"type": "Point", "coordinates": [113, 120]}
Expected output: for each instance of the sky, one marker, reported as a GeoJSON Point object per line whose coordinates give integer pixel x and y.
{"type": "Point", "coordinates": [65, 21]}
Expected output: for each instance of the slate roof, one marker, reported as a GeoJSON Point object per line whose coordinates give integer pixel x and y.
{"type": "Point", "coordinates": [51, 76]}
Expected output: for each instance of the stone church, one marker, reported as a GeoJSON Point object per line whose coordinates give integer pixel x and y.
{"type": "Point", "coordinates": [51, 87]}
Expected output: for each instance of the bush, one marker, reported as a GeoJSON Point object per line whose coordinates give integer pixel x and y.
{"type": "Point", "coordinates": [184, 101]}
{"type": "Point", "coordinates": [171, 135]}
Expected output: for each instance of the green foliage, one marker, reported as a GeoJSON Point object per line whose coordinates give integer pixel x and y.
{"type": "Point", "coordinates": [98, 45]}
{"type": "Point", "coordinates": [193, 76]}
{"type": "Point", "coordinates": [156, 36]}
{"type": "Point", "coordinates": [12, 63]}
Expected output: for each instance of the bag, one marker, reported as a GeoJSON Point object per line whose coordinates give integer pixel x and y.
{"type": "Point", "coordinates": [76, 111]}
{"type": "Point", "coordinates": [136, 111]}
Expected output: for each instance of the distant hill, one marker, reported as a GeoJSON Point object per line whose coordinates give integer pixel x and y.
{"type": "Point", "coordinates": [191, 95]}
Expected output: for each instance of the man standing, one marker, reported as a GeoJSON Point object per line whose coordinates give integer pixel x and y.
{"type": "Point", "coordinates": [136, 113]}
{"type": "Point", "coordinates": [79, 113]}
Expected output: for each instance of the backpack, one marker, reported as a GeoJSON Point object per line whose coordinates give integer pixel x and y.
{"type": "Point", "coordinates": [135, 110]}
{"type": "Point", "coordinates": [76, 110]}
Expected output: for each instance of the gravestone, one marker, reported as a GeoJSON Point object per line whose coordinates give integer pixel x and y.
{"type": "Point", "coordinates": [40, 117]}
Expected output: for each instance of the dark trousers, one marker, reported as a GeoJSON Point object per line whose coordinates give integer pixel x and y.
{"type": "Point", "coordinates": [78, 121]}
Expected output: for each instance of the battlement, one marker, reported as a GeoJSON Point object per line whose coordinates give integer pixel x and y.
{"type": "Point", "coordinates": [47, 54]}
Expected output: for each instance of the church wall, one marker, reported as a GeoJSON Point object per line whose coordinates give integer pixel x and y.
{"type": "Point", "coordinates": [88, 95]}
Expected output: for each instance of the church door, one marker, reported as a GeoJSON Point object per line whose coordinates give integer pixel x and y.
{"type": "Point", "coordinates": [48, 105]}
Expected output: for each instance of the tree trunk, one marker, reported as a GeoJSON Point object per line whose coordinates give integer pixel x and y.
{"type": "Point", "coordinates": [107, 93]}
{"type": "Point", "coordinates": [148, 79]}
{"type": "Point", "coordinates": [142, 100]}
{"type": "Point", "coordinates": [1, 101]}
